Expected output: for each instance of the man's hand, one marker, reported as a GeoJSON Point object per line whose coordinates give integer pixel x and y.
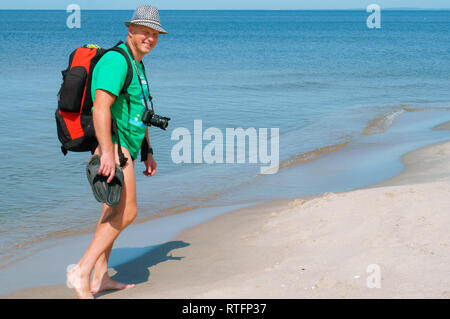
{"type": "Point", "coordinates": [107, 166]}
{"type": "Point", "coordinates": [101, 115]}
{"type": "Point", "coordinates": [150, 166]}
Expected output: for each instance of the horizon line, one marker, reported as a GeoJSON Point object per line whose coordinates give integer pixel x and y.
{"type": "Point", "coordinates": [346, 9]}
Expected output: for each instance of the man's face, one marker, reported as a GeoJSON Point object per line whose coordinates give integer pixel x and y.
{"type": "Point", "coordinates": [144, 38]}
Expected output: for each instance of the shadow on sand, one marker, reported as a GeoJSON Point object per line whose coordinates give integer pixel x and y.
{"type": "Point", "coordinates": [137, 271]}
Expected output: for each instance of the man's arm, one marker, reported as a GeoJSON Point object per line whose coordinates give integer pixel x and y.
{"type": "Point", "coordinates": [102, 123]}
{"type": "Point", "coordinates": [147, 138]}
{"type": "Point", "coordinates": [150, 164]}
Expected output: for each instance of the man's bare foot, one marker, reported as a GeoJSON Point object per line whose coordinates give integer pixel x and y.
{"type": "Point", "coordinates": [79, 283]}
{"type": "Point", "coordinates": [107, 283]}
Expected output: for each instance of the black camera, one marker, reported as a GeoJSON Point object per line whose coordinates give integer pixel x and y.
{"type": "Point", "coordinates": [150, 118]}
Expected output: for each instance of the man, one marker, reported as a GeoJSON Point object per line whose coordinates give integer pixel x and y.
{"type": "Point", "coordinates": [107, 81]}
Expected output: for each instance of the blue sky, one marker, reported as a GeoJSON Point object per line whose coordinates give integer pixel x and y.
{"type": "Point", "coordinates": [222, 4]}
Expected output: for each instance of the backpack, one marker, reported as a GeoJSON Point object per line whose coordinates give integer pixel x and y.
{"type": "Point", "coordinates": [74, 112]}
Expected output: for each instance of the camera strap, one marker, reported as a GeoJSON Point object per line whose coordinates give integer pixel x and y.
{"type": "Point", "coordinates": [139, 78]}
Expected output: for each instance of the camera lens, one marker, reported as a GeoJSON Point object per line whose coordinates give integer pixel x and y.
{"type": "Point", "coordinates": [160, 121]}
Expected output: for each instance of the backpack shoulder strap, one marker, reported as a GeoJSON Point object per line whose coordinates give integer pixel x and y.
{"type": "Point", "coordinates": [129, 69]}
{"type": "Point", "coordinates": [124, 91]}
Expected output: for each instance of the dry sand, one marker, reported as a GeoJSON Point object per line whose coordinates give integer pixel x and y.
{"type": "Point", "coordinates": [337, 245]}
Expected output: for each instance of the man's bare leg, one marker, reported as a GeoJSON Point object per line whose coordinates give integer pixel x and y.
{"type": "Point", "coordinates": [100, 279]}
{"type": "Point", "coordinates": [107, 231]}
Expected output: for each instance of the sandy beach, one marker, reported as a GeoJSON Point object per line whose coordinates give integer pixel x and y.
{"type": "Point", "coordinates": [390, 240]}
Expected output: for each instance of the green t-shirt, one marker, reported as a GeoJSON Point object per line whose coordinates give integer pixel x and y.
{"type": "Point", "coordinates": [109, 75]}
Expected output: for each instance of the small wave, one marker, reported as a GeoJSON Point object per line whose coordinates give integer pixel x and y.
{"type": "Point", "coordinates": [381, 124]}
{"type": "Point", "coordinates": [282, 86]}
{"type": "Point", "coordinates": [26, 248]}
{"type": "Point", "coordinates": [442, 127]}
{"type": "Point", "coordinates": [246, 87]}
{"type": "Point", "coordinates": [312, 155]}
{"type": "Point", "coordinates": [285, 75]}
{"type": "Point", "coordinates": [420, 109]}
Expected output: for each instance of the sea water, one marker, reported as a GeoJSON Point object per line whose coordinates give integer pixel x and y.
{"type": "Point", "coordinates": [348, 102]}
